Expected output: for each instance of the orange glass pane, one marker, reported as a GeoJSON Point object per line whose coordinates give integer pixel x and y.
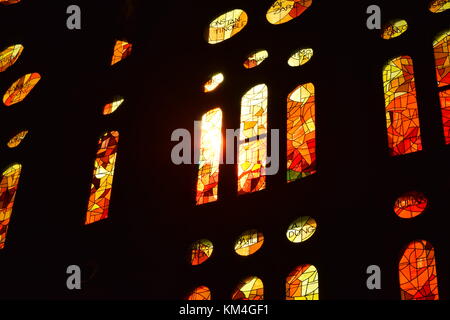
{"type": "Point", "coordinates": [17, 139]}
{"type": "Point", "coordinates": [201, 250]}
{"type": "Point", "coordinates": [21, 88]}
{"type": "Point", "coordinates": [402, 115]}
{"type": "Point", "coordinates": [394, 29]}
{"type": "Point", "coordinates": [122, 50]}
{"type": "Point", "coordinates": [102, 179]}
{"type": "Point", "coordinates": [282, 11]}
{"type": "Point", "coordinates": [417, 272]}
{"type": "Point", "coordinates": [301, 132]}
{"type": "Point", "coordinates": [249, 242]}
{"type": "Point", "coordinates": [255, 59]}
{"type": "Point", "coordinates": [253, 140]}
{"type": "Point", "coordinates": [445, 108]}
{"type": "Point", "coordinates": [9, 56]}
{"type": "Point", "coordinates": [410, 205]}
{"type": "Point", "coordinates": [210, 155]}
{"type": "Point", "coordinates": [200, 293]}
{"type": "Point", "coordinates": [437, 6]}
{"type": "Point", "coordinates": [250, 288]}
{"type": "Point", "coordinates": [8, 188]}
{"type": "Point", "coordinates": [441, 47]}
{"type": "Point", "coordinates": [226, 26]}
{"type": "Point", "coordinates": [8, 2]}
{"type": "Point", "coordinates": [111, 107]}
{"type": "Point", "coordinates": [303, 283]}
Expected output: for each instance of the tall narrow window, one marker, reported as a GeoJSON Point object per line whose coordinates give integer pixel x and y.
{"type": "Point", "coordinates": [9, 56]}
{"type": "Point", "coordinates": [417, 272]}
{"type": "Point", "coordinates": [402, 116]}
{"type": "Point", "coordinates": [102, 179]}
{"type": "Point", "coordinates": [301, 133]}
{"type": "Point", "coordinates": [8, 188]}
{"type": "Point", "coordinates": [303, 283]}
{"type": "Point", "coordinates": [445, 107]}
{"type": "Point", "coordinates": [210, 155]}
{"type": "Point", "coordinates": [253, 140]}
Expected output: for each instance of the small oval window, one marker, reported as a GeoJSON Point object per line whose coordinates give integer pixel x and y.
{"type": "Point", "coordinates": [227, 25]}
{"type": "Point", "coordinates": [437, 6]}
{"type": "Point", "coordinates": [301, 229]}
{"type": "Point", "coordinates": [282, 11]}
{"type": "Point", "coordinates": [213, 83]}
{"type": "Point", "coordinates": [410, 205]}
{"type": "Point", "coordinates": [249, 242]}
{"type": "Point", "coordinates": [300, 57]}
{"type": "Point", "coordinates": [394, 29]}
{"type": "Point", "coordinates": [21, 88]}
{"type": "Point", "coordinates": [201, 250]}
{"type": "Point", "coordinates": [17, 139]}
{"type": "Point", "coordinates": [255, 59]}
{"type": "Point", "coordinates": [9, 56]}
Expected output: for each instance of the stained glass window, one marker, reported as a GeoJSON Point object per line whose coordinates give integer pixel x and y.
{"type": "Point", "coordinates": [282, 11]}
{"type": "Point", "coordinates": [445, 108]}
{"type": "Point", "coordinates": [9, 56]}
{"type": "Point", "coordinates": [255, 59]}
{"type": "Point", "coordinates": [201, 250]}
{"type": "Point", "coordinates": [441, 47]}
{"type": "Point", "coordinates": [301, 229]}
{"type": "Point", "coordinates": [417, 272]}
{"type": "Point", "coordinates": [402, 116]}
{"type": "Point", "coordinates": [251, 288]}
{"type": "Point", "coordinates": [253, 140]}
{"type": "Point", "coordinates": [249, 242]}
{"type": "Point", "coordinates": [303, 283]}
{"type": "Point", "coordinates": [437, 6]}
{"type": "Point", "coordinates": [122, 50]}
{"type": "Point", "coordinates": [215, 81]}
{"type": "Point", "coordinates": [8, 188]}
{"type": "Point", "coordinates": [17, 139]}
{"type": "Point", "coordinates": [200, 293]}
{"type": "Point", "coordinates": [7, 2]}
{"type": "Point", "coordinates": [394, 29]}
{"type": "Point", "coordinates": [210, 156]}
{"type": "Point", "coordinates": [410, 205]}
{"type": "Point", "coordinates": [102, 179]}
{"type": "Point", "coordinates": [301, 132]}
{"type": "Point", "coordinates": [111, 107]}
{"type": "Point", "coordinates": [300, 57]}
{"type": "Point", "coordinates": [227, 25]}
{"type": "Point", "coordinates": [21, 88]}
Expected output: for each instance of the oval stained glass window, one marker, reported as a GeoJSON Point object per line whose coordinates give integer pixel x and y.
{"type": "Point", "coordinates": [300, 57]}
{"type": "Point", "coordinates": [249, 242]}
{"type": "Point", "coordinates": [394, 29]}
{"type": "Point", "coordinates": [201, 250]}
{"type": "Point", "coordinates": [200, 293]}
{"type": "Point", "coordinates": [17, 139]}
{"type": "Point", "coordinates": [301, 229]}
{"type": "Point", "coordinates": [213, 83]}
{"type": "Point", "coordinates": [251, 288]}
{"type": "Point", "coordinates": [227, 25]}
{"type": "Point", "coordinates": [9, 56]}
{"type": "Point", "coordinates": [21, 88]}
{"type": "Point", "coordinates": [8, 2]}
{"type": "Point", "coordinates": [437, 6]}
{"type": "Point", "coordinates": [410, 205]}
{"type": "Point", "coordinates": [255, 59]}
{"type": "Point", "coordinates": [111, 107]}
{"type": "Point", "coordinates": [122, 50]}
{"type": "Point", "coordinates": [282, 11]}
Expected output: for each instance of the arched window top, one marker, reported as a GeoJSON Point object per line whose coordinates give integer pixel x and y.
{"type": "Point", "coordinates": [200, 293]}
{"type": "Point", "coordinates": [249, 242]}
{"type": "Point", "coordinates": [251, 288]}
{"type": "Point", "coordinates": [437, 6]}
{"type": "Point", "coordinates": [410, 205]}
{"type": "Point", "coordinates": [417, 272]}
{"type": "Point", "coordinates": [300, 57]}
{"type": "Point", "coordinates": [8, 2]}
{"type": "Point", "coordinates": [213, 83]}
{"type": "Point", "coordinates": [17, 139]}
{"type": "Point", "coordinates": [227, 25]}
{"type": "Point", "coordinates": [112, 106]}
{"type": "Point", "coordinates": [282, 11]}
{"type": "Point", "coordinates": [9, 56]}
{"type": "Point", "coordinates": [201, 250]}
{"type": "Point", "coordinates": [255, 59]}
{"type": "Point", "coordinates": [441, 47]}
{"type": "Point", "coordinates": [21, 88]}
{"type": "Point", "coordinates": [122, 49]}
{"type": "Point", "coordinates": [301, 229]}
{"type": "Point", "coordinates": [394, 29]}
{"type": "Point", "coordinates": [303, 283]}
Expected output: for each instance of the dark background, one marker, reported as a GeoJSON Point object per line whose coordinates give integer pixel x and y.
{"type": "Point", "coordinates": [141, 251]}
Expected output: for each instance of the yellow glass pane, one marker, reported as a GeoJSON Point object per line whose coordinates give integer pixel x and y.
{"type": "Point", "coordinates": [17, 139]}
{"type": "Point", "coordinates": [111, 107]}
{"type": "Point", "coordinates": [226, 26]}
{"type": "Point", "coordinates": [255, 59]}
{"type": "Point", "coordinates": [303, 283]}
{"type": "Point", "coordinates": [282, 11]}
{"type": "Point", "coordinates": [21, 88]}
{"type": "Point", "coordinates": [249, 242]}
{"type": "Point", "coordinates": [201, 251]}
{"type": "Point", "coordinates": [9, 56]}
{"type": "Point", "coordinates": [394, 29]}
{"type": "Point", "coordinates": [301, 229]}
{"type": "Point", "coordinates": [213, 83]}
{"type": "Point", "coordinates": [437, 6]}
{"type": "Point", "coordinates": [122, 50]}
{"type": "Point", "coordinates": [300, 57]}
{"type": "Point", "coordinates": [251, 288]}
